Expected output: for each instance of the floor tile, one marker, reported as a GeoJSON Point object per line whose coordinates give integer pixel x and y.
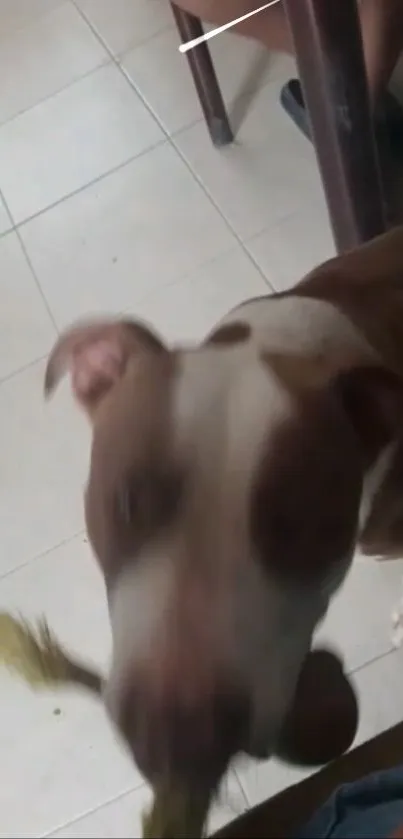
{"type": "Point", "coordinates": [202, 298]}
{"type": "Point", "coordinates": [71, 139]}
{"type": "Point", "coordinates": [379, 688]}
{"type": "Point", "coordinates": [27, 331]}
{"type": "Point", "coordinates": [358, 621]}
{"type": "Point", "coordinates": [161, 74]}
{"type": "Point", "coordinates": [286, 251]}
{"type": "Point", "coordinates": [39, 60]}
{"type": "Point", "coordinates": [123, 23]}
{"type": "Point", "coordinates": [15, 14]}
{"type": "Point", "coordinates": [261, 780]}
{"type": "Point", "coordinates": [63, 758]}
{"type": "Point", "coordinates": [43, 463]}
{"type": "Point", "coordinates": [130, 234]}
{"type": "Point", "coordinates": [266, 175]}
{"type": "Point", "coordinates": [121, 819]}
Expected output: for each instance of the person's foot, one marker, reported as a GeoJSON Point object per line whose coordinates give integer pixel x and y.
{"type": "Point", "coordinates": [388, 132]}
{"type": "Point", "coordinates": [322, 722]}
{"type": "Point", "coordinates": [388, 121]}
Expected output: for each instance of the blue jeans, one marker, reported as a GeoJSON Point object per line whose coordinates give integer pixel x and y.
{"type": "Point", "coordinates": [371, 808]}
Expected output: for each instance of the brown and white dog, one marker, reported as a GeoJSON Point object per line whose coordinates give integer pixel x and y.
{"type": "Point", "coordinates": [229, 486]}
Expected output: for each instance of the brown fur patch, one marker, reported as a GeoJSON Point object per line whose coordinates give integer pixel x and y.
{"type": "Point", "coordinates": [307, 490]}
{"type": "Point", "coordinates": [135, 482]}
{"type": "Point", "coordinates": [371, 396]}
{"type": "Point", "coordinates": [366, 285]}
{"type": "Point", "coordinates": [230, 333]}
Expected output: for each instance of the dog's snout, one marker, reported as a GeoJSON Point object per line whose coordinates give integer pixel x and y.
{"type": "Point", "coordinates": [191, 740]}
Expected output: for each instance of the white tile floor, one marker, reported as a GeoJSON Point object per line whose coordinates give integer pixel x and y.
{"type": "Point", "coordinates": [113, 199]}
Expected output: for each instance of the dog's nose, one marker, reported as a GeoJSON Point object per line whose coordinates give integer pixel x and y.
{"type": "Point", "coordinates": [193, 741]}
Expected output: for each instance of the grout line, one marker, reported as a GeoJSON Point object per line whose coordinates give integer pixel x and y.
{"type": "Point", "coordinates": [41, 555]}
{"type": "Point", "coordinates": [98, 179]}
{"type": "Point", "coordinates": [142, 785]}
{"type": "Point", "coordinates": [140, 95]}
{"type": "Point", "coordinates": [94, 809]}
{"type": "Point", "coordinates": [371, 661]}
{"type": "Point", "coordinates": [237, 774]}
{"type": "Point", "coordinates": [14, 373]}
{"type": "Point", "coordinates": [8, 230]}
{"type": "Point", "coordinates": [257, 266]}
{"type": "Point", "coordinates": [36, 280]}
{"type": "Point", "coordinates": [37, 283]}
{"type": "Point", "coordinates": [115, 56]}
{"type": "Point", "coordinates": [57, 92]}
{"type": "Point", "coordinates": [218, 209]}
{"type": "Point", "coordinates": [182, 279]}
{"type": "Point", "coordinates": [118, 64]}
{"type": "Point", "coordinates": [103, 63]}
{"type": "Point", "coordinates": [249, 803]}
{"type": "Point", "coordinates": [94, 31]}
{"type": "Point", "coordinates": [11, 229]}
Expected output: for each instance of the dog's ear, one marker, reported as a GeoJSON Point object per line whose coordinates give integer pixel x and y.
{"type": "Point", "coordinates": [373, 401]}
{"type": "Point", "coordinates": [371, 395]}
{"type": "Point", "coordinates": [96, 354]}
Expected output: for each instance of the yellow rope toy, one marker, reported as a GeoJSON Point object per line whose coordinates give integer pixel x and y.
{"type": "Point", "coordinates": [38, 658]}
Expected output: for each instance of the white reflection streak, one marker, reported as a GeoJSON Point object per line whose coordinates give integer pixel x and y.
{"type": "Point", "coordinates": [206, 37]}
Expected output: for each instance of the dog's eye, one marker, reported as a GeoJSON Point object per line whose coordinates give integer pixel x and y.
{"type": "Point", "coordinates": [149, 499]}
{"type": "Point", "coordinates": [125, 504]}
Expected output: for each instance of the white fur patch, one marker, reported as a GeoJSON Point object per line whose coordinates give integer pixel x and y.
{"type": "Point", "coordinates": [225, 404]}
{"type": "Point", "coordinates": [273, 630]}
{"type": "Point", "coordinates": [301, 325]}
{"type": "Point", "coordinates": [138, 605]}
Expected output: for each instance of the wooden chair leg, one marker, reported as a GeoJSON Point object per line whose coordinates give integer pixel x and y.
{"type": "Point", "coordinates": [330, 60]}
{"type": "Point", "coordinates": [205, 78]}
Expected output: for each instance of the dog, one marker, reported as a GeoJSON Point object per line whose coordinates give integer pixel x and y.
{"type": "Point", "coordinates": [229, 486]}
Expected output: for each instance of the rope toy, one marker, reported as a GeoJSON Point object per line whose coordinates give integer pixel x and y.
{"type": "Point", "coordinates": [36, 656]}
{"type": "Point", "coordinates": [175, 813]}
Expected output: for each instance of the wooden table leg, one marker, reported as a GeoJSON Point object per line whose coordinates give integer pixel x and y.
{"type": "Point", "coordinates": [205, 79]}
{"type": "Point", "coordinates": [330, 59]}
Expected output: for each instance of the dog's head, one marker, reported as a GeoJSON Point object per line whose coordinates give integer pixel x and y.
{"type": "Point", "coordinates": [222, 501]}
